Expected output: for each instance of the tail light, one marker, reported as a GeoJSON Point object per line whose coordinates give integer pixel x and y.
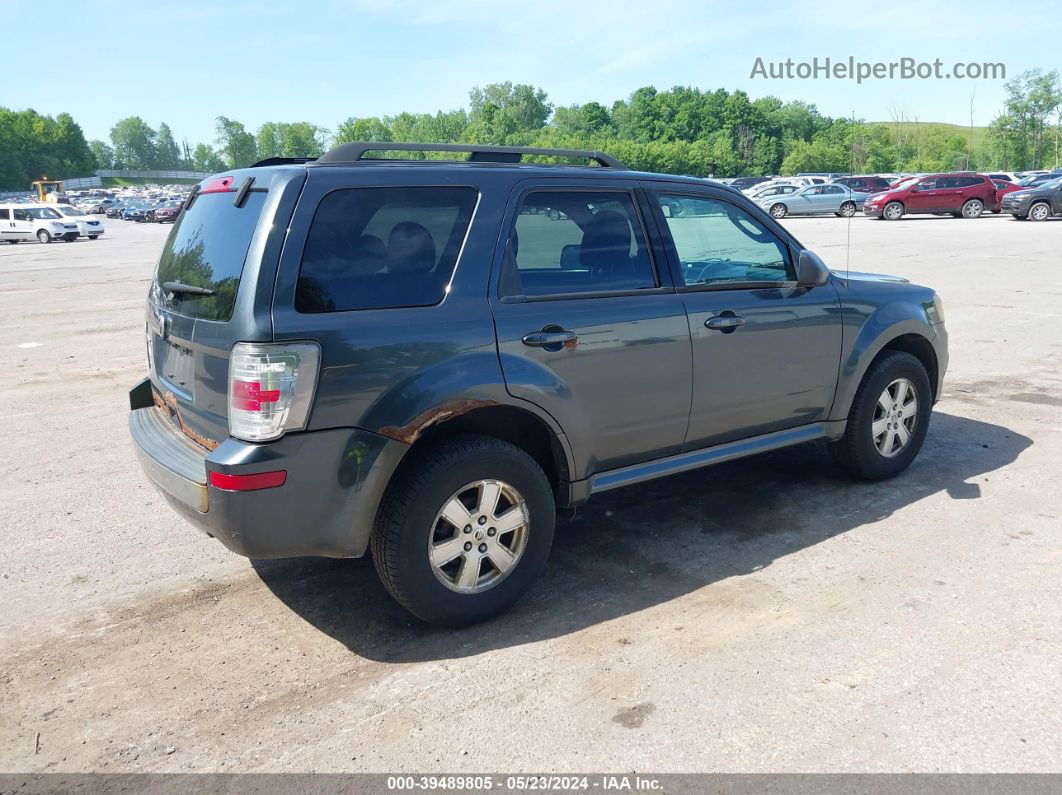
{"type": "Point", "coordinates": [271, 388]}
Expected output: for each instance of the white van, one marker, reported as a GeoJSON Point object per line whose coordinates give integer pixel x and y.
{"type": "Point", "coordinates": [87, 225]}
{"type": "Point", "coordinates": [28, 221]}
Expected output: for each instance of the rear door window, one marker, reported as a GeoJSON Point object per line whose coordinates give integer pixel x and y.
{"type": "Point", "coordinates": [379, 248]}
{"type": "Point", "coordinates": [207, 248]}
{"type": "Point", "coordinates": [576, 242]}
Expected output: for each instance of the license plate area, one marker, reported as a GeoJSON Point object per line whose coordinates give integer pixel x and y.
{"type": "Point", "coordinates": [175, 367]}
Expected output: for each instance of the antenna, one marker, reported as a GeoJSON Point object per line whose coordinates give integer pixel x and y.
{"type": "Point", "coordinates": [848, 229]}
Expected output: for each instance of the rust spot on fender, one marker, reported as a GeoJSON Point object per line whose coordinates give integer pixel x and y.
{"type": "Point", "coordinates": [169, 401]}
{"type": "Point", "coordinates": [412, 430]}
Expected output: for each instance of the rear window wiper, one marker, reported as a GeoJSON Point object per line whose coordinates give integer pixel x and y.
{"type": "Point", "coordinates": [187, 289]}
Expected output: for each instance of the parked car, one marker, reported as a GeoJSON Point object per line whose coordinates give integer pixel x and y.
{"type": "Point", "coordinates": [115, 210]}
{"type": "Point", "coordinates": [1003, 187]}
{"type": "Point", "coordinates": [28, 221]}
{"type": "Point", "coordinates": [1006, 176]}
{"type": "Point", "coordinates": [1036, 204]}
{"type": "Point", "coordinates": [1036, 180]}
{"type": "Point", "coordinates": [965, 195]}
{"type": "Point", "coordinates": [380, 370]}
{"type": "Point", "coordinates": [167, 212]}
{"type": "Point", "coordinates": [867, 184]}
{"type": "Point", "coordinates": [815, 200]}
{"type": "Point", "coordinates": [771, 189]}
{"type": "Point", "coordinates": [87, 226]}
{"type": "Point", "coordinates": [741, 183]}
{"type": "Point", "coordinates": [134, 212]}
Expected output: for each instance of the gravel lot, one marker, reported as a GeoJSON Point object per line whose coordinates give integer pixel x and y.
{"type": "Point", "coordinates": [765, 615]}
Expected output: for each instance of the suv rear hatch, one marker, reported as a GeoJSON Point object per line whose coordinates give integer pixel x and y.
{"type": "Point", "coordinates": [213, 287]}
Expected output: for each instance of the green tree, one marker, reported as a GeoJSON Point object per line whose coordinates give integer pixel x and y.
{"type": "Point", "coordinates": [102, 153]}
{"type": "Point", "coordinates": [134, 143]}
{"type": "Point", "coordinates": [237, 146]}
{"type": "Point", "coordinates": [167, 153]}
{"type": "Point", "coordinates": [204, 158]}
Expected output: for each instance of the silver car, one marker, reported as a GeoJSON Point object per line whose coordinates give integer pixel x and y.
{"type": "Point", "coordinates": [813, 200]}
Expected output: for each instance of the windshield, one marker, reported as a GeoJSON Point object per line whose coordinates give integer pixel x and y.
{"type": "Point", "coordinates": [42, 212]}
{"type": "Point", "coordinates": [907, 183]}
{"type": "Point", "coordinates": [71, 211]}
{"type": "Point", "coordinates": [1052, 184]}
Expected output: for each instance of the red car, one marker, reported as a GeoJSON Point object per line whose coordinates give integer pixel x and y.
{"type": "Point", "coordinates": [964, 195]}
{"type": "Point", "coordinates": [1003, 187]}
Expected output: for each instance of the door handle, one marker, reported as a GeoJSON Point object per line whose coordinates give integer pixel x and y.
{"type": "Point", "coordinates": [551, 340]}
{"type": "Point", "coordinates": [724, 322]}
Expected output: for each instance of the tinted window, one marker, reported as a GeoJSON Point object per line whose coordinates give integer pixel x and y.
{"type": "Point", "coordinates": [20, 215]}
{"type": "Point", "coordinates": [206, 248]}
{"type": "Point", "coordinates": [375, 248]}
{"type": "Point", "coordinates": [833, 189]}
{"type": "Point", "coordinates": [928, 184]}
{"type": "Point", "coordinates": [4, 214]}
{"type": "Point", "coordinates": [717, 242]}
{"type": "Point", "coordinates": [576, 242]}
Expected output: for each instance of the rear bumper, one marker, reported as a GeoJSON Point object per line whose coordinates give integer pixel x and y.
{"type": "Point", "coordinates": [326, 507]}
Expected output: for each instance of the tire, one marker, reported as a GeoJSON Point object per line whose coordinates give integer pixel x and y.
{"type": "Point", "coordinates": [973, 208]}
{"type": "Point", "coordinates": [779, 210]}
{"type": "Point", "coordinates": [44, 236]}
{"type": "Point", "coordinates": [12, 242]}
{"type": "Point", "coordinates": [893, 211]}
{"type": "Point", "coordinates": [848, 209]}
{"type": "Point", "coordinates": [870, 456]}
{"type": "Point", "coordinates": [1040, 211]}
{"type": "Point", "coordinates": [410, 519]}
{"type": "Point", "coordinates": [93, 237]}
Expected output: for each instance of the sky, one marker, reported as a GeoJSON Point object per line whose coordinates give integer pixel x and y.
{"type": "Point", "coordinates": [186, 63]}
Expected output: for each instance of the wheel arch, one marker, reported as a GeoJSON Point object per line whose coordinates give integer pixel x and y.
{"type": "Point", "coordinates": [520, 427]}
{"type": "Point", "coordinates": [913, 335]}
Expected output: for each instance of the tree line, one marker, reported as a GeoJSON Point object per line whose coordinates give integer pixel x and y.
{"type": "Point", "coordinates": [682, 130]}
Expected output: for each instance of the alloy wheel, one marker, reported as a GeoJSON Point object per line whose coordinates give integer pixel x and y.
{"type": "Point", "coordinates": [478, 536]}
{"type": "Point", "coordinates": [1039, 212]}
{"type": "Point", "coordinates": [895, 417]}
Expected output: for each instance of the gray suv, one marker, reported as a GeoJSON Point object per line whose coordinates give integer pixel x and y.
{"type": "Point", "coordinates": [383, 350]}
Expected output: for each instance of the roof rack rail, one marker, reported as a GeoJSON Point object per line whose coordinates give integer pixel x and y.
{"type": "Point", "coordinates": [478, 153]}
{"type": "Point", "coordinates": [282, 161]}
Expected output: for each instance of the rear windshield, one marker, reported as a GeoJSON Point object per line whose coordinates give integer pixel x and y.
{"type": "Point", "coordinates": [376, 248]}
{"type": "Point", "coordinates": [206, 248]}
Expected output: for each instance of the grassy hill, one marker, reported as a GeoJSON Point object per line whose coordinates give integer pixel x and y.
{"type": "Point", "coordinates": [956, 129]}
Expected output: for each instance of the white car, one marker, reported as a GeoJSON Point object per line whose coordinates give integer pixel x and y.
{"type": "Point", "coordinates": [41, 221]}
{"type": "Point", "coordinates": [87, 225]}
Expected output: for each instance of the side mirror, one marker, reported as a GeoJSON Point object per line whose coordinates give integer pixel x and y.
{"type": "Point", "coordinates": [811, 271]}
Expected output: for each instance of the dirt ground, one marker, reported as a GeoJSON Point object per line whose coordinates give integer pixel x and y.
{"type": "Point", "coordinates": [764, 615]}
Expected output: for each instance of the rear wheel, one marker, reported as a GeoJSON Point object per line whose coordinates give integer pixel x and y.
{"type": "Point", "coordinates": [848, 209]}
{"type": "Point", "coordinates": [93, 237]}
{"type": "Point", "coordinates": [44, 236]}
{"type": "Point", "coordinates": [779, 211]}
{"type": "Point", "coordinates": [888, 420]}
{"type": "Point", "coordinates": [464, 530]}
{"type": "Point", "coordinates": [12, 241]}
{"type": "Point", "coordinates": [893, 211]}
{"type": "Point", "coordinates": [973, 208]}
{"type": "Point", "coordinates": [1040, 211]}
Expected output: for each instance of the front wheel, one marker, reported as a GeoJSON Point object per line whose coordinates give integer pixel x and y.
{"type": "Point", "coordinates": [1040, 211]}
{"type": "Point", "coordinates": [888, 420]}
{"type": "Point", "coordinates": [93, 237]}
{"type": "Point", "coordinates": [44, 236]}
{"type": "Point", "coordinates": [973, 208]}
{"type": "Point", "coordinates": [893, 211]}
{"type": "Point", "coordinates": [779, 211]}
{"type": "Point", "coordinates": [464, 530]}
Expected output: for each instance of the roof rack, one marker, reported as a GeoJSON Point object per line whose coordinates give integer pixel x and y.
{"type": "Point", "coordinates": [282, 161]}
{"type": "Point", "coordinates": [478, 153]}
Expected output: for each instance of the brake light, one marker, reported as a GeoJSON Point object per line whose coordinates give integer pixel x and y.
{"type": "Point", "coordinates": [219, 185]}
{"type": "Point", "coordinates": [270, 388]}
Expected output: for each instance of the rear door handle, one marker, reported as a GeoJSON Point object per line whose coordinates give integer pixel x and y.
{"type": "Point", "coordinates": [553, 340]}
{"type": "Point", "coordinates": [724, 322]}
